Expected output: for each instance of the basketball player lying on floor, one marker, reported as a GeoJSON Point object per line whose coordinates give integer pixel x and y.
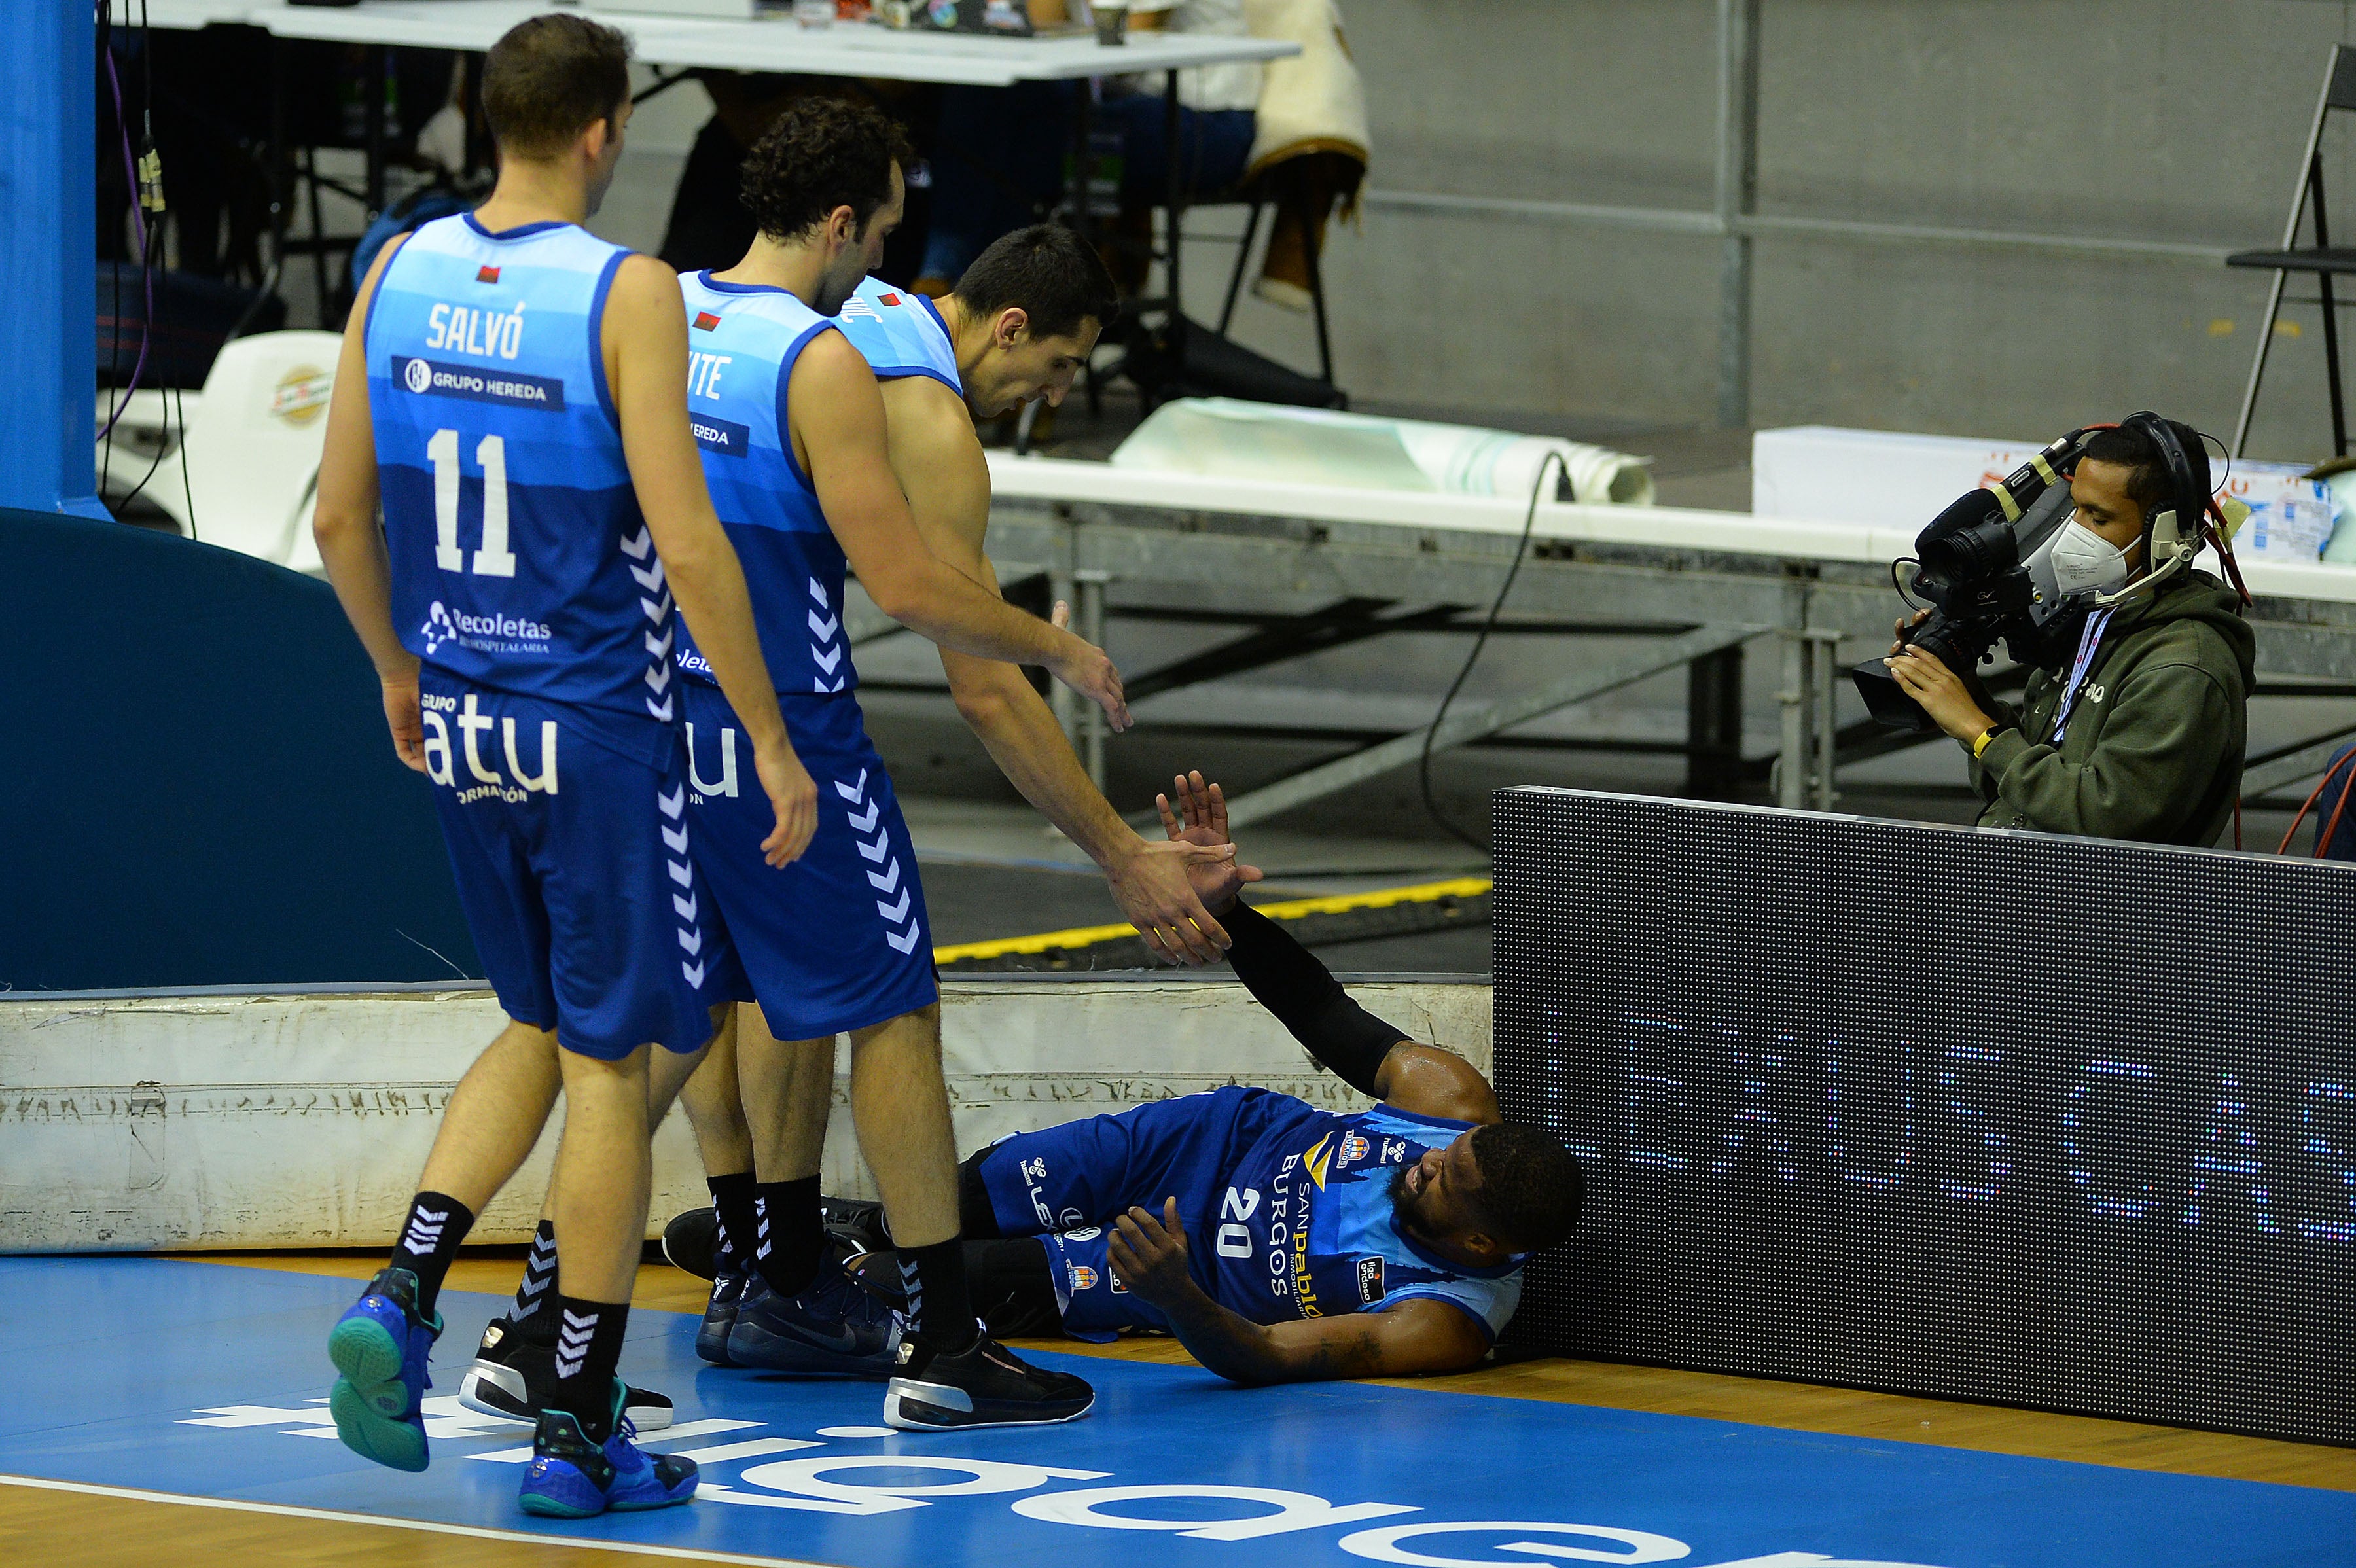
{"type": "Point", "coordinates": [1276, 1241]}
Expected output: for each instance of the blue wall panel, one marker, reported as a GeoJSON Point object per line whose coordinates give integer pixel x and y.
{"type": "Point", "coordinates": [199, 789]}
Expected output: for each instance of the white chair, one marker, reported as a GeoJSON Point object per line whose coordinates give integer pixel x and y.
{"type": "Point", "coordinates": [244, 473]}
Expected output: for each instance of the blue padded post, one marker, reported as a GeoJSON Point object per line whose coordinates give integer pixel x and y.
{"type": "Point", "coordinates": [47, 251]}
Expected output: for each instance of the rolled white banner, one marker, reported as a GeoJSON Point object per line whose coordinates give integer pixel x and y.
{"type": "Point", "coordinates": [1233, 438]}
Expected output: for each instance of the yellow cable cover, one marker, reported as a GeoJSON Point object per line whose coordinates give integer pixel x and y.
{"type": "Point", "coordinates": [1292, 909]}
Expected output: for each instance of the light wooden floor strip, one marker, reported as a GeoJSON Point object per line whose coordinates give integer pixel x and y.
{"type": "Point", "coordinates": [82, 1526]}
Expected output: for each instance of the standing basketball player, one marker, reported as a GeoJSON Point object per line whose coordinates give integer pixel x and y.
{"type": "Point", "coordinates": [1022, 320]}
{"type": "Point", "coordinates": [513, 391]}
{"type": "Point", "coordinates": [794, 442]}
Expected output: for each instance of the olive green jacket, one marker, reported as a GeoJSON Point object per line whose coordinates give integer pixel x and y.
{"type": "Point", "coordinates": [2154, 748]}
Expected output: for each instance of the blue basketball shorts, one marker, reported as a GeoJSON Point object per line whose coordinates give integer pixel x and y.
{"type": "Point", "coordinates": [1067, 1185]}
{"type": "Point", "coordinates": [573, 861]}
{"type": "Point", "coordinates": [839, 940]}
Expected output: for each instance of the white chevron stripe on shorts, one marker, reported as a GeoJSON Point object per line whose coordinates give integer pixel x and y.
{"type": "Point", "coordinates": [900, 917]}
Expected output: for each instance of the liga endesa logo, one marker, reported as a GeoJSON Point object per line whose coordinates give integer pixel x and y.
{"type": "Point", "coordinates": [854, 1484]}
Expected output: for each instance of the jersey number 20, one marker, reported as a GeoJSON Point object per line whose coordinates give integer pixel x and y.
{"type": "Point", "coordinates": [1234, 1240]}
{"type": "Point", "coordinates": [494, 559]}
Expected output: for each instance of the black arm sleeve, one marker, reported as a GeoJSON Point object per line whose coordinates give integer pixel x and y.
{"type": "Point", "coordinates": [1306, 998]}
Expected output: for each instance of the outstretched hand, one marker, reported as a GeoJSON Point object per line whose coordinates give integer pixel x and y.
{"type": "Point", "coordinates": [1200, 817]}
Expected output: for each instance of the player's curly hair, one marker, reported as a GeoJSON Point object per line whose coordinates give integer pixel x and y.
{"type": "Point", "coordinates": [551, 77]}
{"type": "Point", "coordinates": [1531, 1187]}
{"type": "Point", "coordinates": [823, 153]}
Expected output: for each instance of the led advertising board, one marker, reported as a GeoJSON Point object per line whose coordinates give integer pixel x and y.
{"type": "Point", "coordinates": [2036, 1121]}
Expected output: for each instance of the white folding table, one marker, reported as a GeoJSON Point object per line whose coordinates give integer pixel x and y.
{"type": "Point", "coordinates": [773, 43]}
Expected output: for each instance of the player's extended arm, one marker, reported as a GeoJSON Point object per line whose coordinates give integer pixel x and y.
{"type": "Point", "coordinates": [645, 365]}
{"type": "Point", "coordinates": [1362, 1050]}
{"type": "Point", "coordinates": [1417, 1336]}
{"type": "Point", "coordinates": [939, 464]}
{"type": "Point", "coordinates": [351, 545]}
{"type": "Point", "coordinates": [839, 434]}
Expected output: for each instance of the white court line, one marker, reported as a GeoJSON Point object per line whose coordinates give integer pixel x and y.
{"type": "Point", "coordinates": [431, 1527]}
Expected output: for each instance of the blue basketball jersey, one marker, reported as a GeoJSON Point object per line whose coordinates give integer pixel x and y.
{"type": "Point", "coordinates": [742, 340]}
{"type": "Point", "coordinates": [1304, 1227]}
{"type": "Point", "coordinates": [519, 559]}
{"type": "Point", "coordinates": [899, 334]}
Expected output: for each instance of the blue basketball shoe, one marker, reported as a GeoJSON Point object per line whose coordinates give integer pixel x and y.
{"type": "Point", "coordinates": [380, 1344]}
{"type": "Point", "coordinates": [572, 1477]}
{"type": "Point", "coordinates": [833, 1327]}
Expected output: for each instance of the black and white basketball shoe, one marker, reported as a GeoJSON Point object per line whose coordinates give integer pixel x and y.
{"type": "Point", "coordinates": [514, 1378]}
{"type": "Point", "coordinates": [983, 1385]}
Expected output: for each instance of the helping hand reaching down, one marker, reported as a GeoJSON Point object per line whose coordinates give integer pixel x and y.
{"type": "Point", "coordinates": [1088, 670]}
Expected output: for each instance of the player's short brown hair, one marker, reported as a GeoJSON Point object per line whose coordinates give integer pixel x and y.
{"type": "Point", "coordinates": [551, 77]}
{"type": "Point", "coordinates": [1055, 277]}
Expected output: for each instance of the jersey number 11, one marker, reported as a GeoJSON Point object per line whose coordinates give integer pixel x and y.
{"type": "Point", "coordinates": [494, 559]}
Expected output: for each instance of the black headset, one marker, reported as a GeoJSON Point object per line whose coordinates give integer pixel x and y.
{"type": "Point", "coordinates": [2178, 530]}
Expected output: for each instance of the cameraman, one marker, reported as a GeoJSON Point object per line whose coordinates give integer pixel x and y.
{"type": "Point", "coordinates": [2142, 735]}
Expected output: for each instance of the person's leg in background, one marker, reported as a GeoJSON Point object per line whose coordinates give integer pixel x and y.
{"type": "Point", "coordinates": [1215, 145]}
{"type": "Point", "coordinates": [715, 1110]}
{"type": "Point", "coordinates": [997, 162]}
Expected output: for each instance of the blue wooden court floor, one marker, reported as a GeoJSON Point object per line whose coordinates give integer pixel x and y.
{"type": "Point", "coordinates": [210, 1380]}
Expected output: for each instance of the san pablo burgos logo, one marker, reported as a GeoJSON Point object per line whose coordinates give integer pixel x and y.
{"type": "Point", "coordinates": [419, 377]}
{"type": "Point", "coordinates": [493, 633]}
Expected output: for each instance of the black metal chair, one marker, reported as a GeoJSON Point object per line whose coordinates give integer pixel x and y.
{"type": "Point", "coordinates": [1291, 185]}
{"type": "Point", "coordinates": [2323, 259]}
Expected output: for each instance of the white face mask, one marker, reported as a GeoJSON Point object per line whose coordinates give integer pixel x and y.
{"type": "Point", "coordinates": [2082, 560]}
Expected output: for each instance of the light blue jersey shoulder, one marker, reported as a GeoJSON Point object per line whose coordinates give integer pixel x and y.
{"type": "Point", "coordinates": [743, 342]}
{"type": "Point", "coordinates": [1332, 1244]}
{"type": "Point", "coordinates": [899, 334]}
{"type": "Point", "coordinates": [519, 559]}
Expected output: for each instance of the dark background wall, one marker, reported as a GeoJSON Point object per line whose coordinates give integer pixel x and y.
{"type": "Point", "coordinates": [198, 787]}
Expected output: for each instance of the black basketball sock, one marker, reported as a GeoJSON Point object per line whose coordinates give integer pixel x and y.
{"type": "Point", "coordinates": [940, 1299]}
{"type": "Point", "coordinates": [789, 1235]}
{"type": "Point", "coordinates": [734, 1197]}
{"type": "Point", "coordinates": [429, 1240]}
{"type": "Point", "coordinates": [977, 1216]}
{"type": "Point", "coordinates": [539, 1275]}
{"type": "Point", "coordinates": [588, 1348]}
{"type": "Point", "coordinates": [1014, 1285]}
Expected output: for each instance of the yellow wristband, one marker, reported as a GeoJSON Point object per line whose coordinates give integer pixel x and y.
{"type": "Point", "coordinates": [1981, 744]}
